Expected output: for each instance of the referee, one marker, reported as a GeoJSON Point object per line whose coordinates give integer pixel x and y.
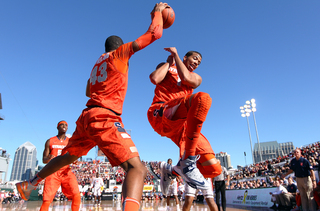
{"type": "Point", "coordinates": [220, 187]}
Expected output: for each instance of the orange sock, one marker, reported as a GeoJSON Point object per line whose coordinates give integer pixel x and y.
{"type": "Point", "coordinates": [130, 204]}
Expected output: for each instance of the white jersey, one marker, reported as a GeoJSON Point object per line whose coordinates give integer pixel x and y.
{"type": "Point", "coordinates": [97, 182]}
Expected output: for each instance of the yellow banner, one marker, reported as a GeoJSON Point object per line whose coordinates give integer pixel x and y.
{"type": "Point", "coordinates": [147, 188]}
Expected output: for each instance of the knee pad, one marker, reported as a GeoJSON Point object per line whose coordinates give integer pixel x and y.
{"type": "Point", "coordinates": [200, 105]}
{"type": "Point", "coordinates": [210, 171]}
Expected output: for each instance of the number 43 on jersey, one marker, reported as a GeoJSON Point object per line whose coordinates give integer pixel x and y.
{"type": "Point", "coordinates": [99, 73]}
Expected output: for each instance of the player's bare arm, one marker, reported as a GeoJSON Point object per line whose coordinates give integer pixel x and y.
{"type": "Point", "coordinates": [187, 77]}
{"type": "Point", "coordinates": [155, 30]}
{"type": "Point", "coordinates": [88, 88]}
{"type": "Point", "coordinates": [46, 157]}
{"type": "Point", "coordinates": [161, 71]}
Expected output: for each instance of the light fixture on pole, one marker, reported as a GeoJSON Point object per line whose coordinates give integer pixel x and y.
{"type": "Point", "coordinates": [254, 109]}
{"type": "Point", "coordinates": [245, 112]}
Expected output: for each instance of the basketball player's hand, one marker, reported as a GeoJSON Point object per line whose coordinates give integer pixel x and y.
{"type": "Point", "coordinates": [170, 60]}
{"type": "Point", "coordinates": [50, 157]}
{"type": "Point", "coordinates": [172, 50]}
{"type": "Point", "coordinates": [159, 7]}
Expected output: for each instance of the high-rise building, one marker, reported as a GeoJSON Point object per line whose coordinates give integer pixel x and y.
{"type": "Point", "coordinates": [271, 150]}
{"type": "Point", "coordinates": [4, 164]}
{"type": "Point", "coordinates": [1, 117]}
{"type": "Point", "coordinates": [25, 161]}
{"type": "Point", "coordinates": [225, 159]}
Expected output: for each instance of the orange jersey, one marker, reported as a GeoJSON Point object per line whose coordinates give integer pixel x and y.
{"type": "Point", "coordinates": [109, 79]}
{"type": "Point", "coordinates": [56, 145]}
{"type": "Point", "coordinates": [171, 87]}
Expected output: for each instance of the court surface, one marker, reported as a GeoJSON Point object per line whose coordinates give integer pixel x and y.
{"type": "Point", "coordinates": [116, 205]}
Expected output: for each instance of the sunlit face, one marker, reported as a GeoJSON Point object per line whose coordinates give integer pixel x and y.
{"type": "Point", "coordinates": [297, 153]}
{"type": "Point", "coordinates": [192, 62]}
{"type": "Point", "coordinates": [63, 127]}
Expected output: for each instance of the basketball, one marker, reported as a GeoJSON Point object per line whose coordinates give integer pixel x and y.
{"type": "Point", "coordinates": [168, 17]}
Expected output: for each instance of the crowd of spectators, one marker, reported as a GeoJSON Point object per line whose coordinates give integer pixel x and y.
{"type": "Point", "coordinates": [264, 174]}
{"type": "Point", "coordinates": [7, 197]}
{"type": "Point", "coordinates": [259, 175]}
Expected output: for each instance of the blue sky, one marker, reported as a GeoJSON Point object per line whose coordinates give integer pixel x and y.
{"type": "Point", "coordinates": [267, 50]}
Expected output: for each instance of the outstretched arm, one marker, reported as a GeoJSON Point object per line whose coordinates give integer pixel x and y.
{"type": "Point", "coordinates": [155, 29]}
{"type": "Point", "coordinates": [188, 78]}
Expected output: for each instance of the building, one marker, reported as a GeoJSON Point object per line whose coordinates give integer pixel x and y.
{"type": "Point", "coordinates": [4, 164]}
{"type": "Point", "coordinates": [1, 117]}
{"type": "Point", "coordinates": [225, 159]}
{"type": "Point", "coordinates": [24, 163]}
{"type": "Point", "coordinates": [271, 150]}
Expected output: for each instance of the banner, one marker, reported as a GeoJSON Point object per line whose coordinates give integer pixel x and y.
{"type": "Point", "coordinates": [147, 188]}
{"type": "Point", "coordinates": [259, 197]}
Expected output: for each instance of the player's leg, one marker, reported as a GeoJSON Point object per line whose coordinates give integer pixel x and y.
{"type": "Point", "coordinates": [189, 195]}
{"type": "Point", "coordinates": [196, 106]}
{"type": "Point", "coordinates": [199, 105]}
{"type": "Point", "coordinates": [70, 188]}
{"type": "Point", "coordinates": [168, 195]}
{"type": "Point", "coordinates": [187, 203]}
{"type": "Point", "coordinates": [208, 194]}
{"type": "Point", "coordinates": [208, 164]}
{"type": "Point", "coordinates": [51, 185]}
{"type": "Point", "coordinates": [212, 205]}
{"type": "Point", "coordinates": [175, 194]}
{"type": "Point", "coordinates": [117, 145]}
{"type": "Point", "coordinates": [133, 183]}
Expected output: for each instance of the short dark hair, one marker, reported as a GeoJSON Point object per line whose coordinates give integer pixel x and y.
{"type": "Point", "coordinates": [112, 43]}
{"type": "Point", "coordinates": [189, 53]}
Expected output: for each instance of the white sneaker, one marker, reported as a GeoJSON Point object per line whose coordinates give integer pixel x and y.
{"type": "Point", "coordinates": [188, 170]}
{"type": "Point", "coordinates": [25, 188]}
{"type": "Point", "coordinates": [166, 177]}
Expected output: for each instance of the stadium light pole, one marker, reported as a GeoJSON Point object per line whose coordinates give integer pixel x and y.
{"type": "Point", "coordinates": [254, 109]}
{"type": "Point", "coordinates": [245, 112]}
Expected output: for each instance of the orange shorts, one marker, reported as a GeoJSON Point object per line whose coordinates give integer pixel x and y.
{"type": "Point", "coordinates": [64, 178]}
{"type": "Point", "coordinates": [101, 127]}
{"type": "Point", "coordinates": [159, 118]}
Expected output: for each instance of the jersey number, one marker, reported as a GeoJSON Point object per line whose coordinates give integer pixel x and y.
{"type": "Point", "coordinates": [102, 76]}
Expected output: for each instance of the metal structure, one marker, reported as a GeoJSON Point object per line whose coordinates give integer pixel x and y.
{"type": "Point", "coordinates": [245, 110]}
